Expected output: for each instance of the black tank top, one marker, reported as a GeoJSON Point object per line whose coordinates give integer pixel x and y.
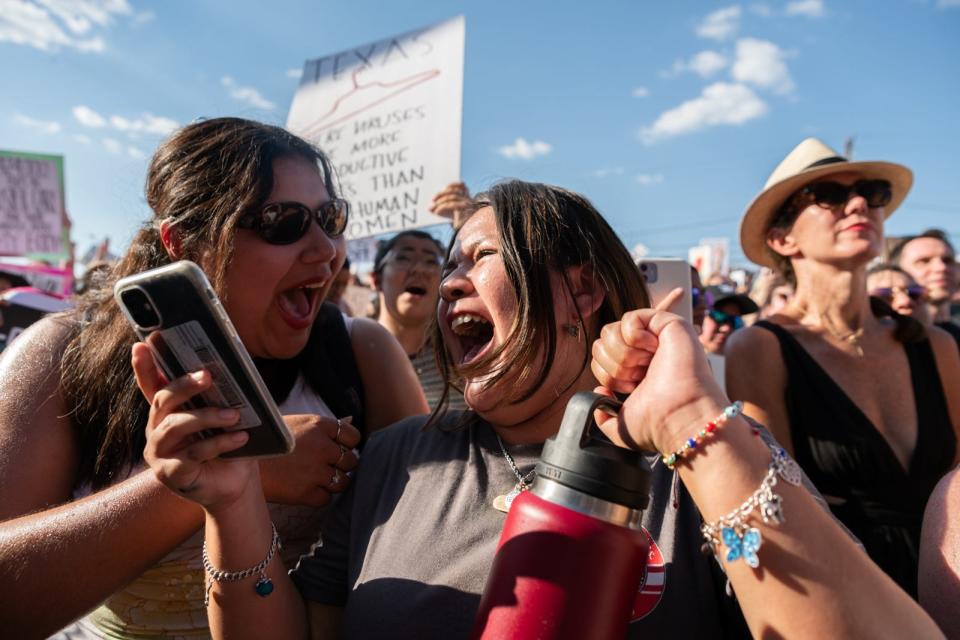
{"type": "Point", "coordinates": [852, 464]}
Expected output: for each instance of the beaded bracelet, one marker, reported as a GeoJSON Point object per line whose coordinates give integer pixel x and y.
{"type": "Point", "coordinates": [741, 540]}
{"type": "Point", "coordinates": [693, 443]}
{"type": "Point", "coordinates": [264, 585]}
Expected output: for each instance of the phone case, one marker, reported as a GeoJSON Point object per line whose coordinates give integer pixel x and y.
{"type": "Point", "coordinates": [662, 276]}
{"type": "Point", "coordinates": [175, 311]}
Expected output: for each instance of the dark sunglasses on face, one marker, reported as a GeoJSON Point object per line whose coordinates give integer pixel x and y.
{"type": "Point", "coordinates": [731, 319]}
{"type": "Point", "coordinates": [915, 292]}
{"type": "Point", "coordinates": [832, 195]}
{"type": "Point", "coordinates": [287, 222]}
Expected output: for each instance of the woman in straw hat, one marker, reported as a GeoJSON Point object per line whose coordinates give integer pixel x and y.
{"type": "Point", "coordinates": [866, 399]}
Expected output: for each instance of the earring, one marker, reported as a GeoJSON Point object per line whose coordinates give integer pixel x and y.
{"type": "Point", "coordinates": [573, 330]}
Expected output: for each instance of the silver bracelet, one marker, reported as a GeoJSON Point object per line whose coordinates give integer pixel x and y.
{"type": "Point", "coordinates": [742, 540]}
{"type": "Point", "coordinates": [264, 585]}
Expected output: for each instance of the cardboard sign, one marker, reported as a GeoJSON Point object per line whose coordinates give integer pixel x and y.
{"type": "Point", "coordinates": [388, 114]}
{"type": "Point", "coordinates": [20, 308]}
{"type": "Point", "coordinates": [49, 279]}
{"type": "Point", "coordinates": [31, 204]}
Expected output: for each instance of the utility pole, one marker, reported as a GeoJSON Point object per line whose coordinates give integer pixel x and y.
{"type": "Point", "coordinates": [848, 148]}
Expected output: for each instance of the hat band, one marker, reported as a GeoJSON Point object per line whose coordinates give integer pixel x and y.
{"type": "Point", "coordinates": [820, 163]}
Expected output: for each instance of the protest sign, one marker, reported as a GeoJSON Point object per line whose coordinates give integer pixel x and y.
{"type": "Point", "coordinates": [31, 205]}
{"type": "Point", "coordinates": [388, 114]}
{"type": "Point", "coordinates": [19, 308]}
{"type": "Point", "coordinates": [49, 279]}
{"type": "Point", "coordinates": [710, 257]}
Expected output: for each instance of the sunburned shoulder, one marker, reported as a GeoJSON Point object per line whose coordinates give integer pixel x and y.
{"type": "Point", "coordinates": [941, 340]}
{"type": "Point", "coordinates": [751, 343]}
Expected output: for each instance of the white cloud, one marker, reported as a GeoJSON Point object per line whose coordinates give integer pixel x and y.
{"type": "Point", "coordinates": [761, 63]}
{"type": "Point", "coordinates": [946, 4]}
{"type": "Point", "coordinates": [88, 117]}
{"type": "Point", "coordinates": [525, 150]}
{"type": "Point", "coordinates": [112, 145]}
{"type": "Point", "coordinates": [720, 24]}
{"type": "Point", "coordinates": [133, 152]}
{"type": "Point", "coordinates": [647, 179]}
{"type": "Point", "coordinates": [606, 172]}
{"type": "Point", "coordinates": [245, 94]}
{"type": "Point", "coordinates": [720, 103]}
{"type": "Point", "coordinates": [142, 18]}
{"type": "Point", "coordinates": [294, 73]}
{"type": "Point", "coordinates": [149, 123]}
{"type": "Point", "coordinates": [50, 25]}
{"type": "Point", "coordinates": [809, 8]}
{"type": "Point", "coordinates": [707, 63]}
{"type": "Point", "coordinates": [41, 126]}
{"type": "Point", "coordinates": [704, 64]}
{"type": "Point", "coordinates": [82, 139]}
{"type": "Point", "coordinates": [640, 92]}
{"type": "Point", "coordinates": [761, 9]}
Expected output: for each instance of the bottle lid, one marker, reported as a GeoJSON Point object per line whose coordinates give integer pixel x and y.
{"type": "Point", "coordinates": [589, 462]}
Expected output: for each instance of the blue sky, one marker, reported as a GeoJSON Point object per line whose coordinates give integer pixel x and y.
{"type": "Point", "coordinates": [669, 116]}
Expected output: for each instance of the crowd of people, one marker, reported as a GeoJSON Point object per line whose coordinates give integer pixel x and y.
{"type": "Point", "coordinates": [411, 423]}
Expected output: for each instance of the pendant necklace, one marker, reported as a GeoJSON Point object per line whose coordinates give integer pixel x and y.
{"type": "Point", "coordinates": [503, 502]}
{"type": "Point", "coordinates": [852, 338]}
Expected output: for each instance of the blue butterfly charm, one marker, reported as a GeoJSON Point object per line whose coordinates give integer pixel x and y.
{"type": "Point", "coordinates": [742, 546]}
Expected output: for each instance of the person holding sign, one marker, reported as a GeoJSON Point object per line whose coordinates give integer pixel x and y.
{"type": "Point", "coordinates": [257, 208]}
{"type": "Point", "coordinates": [535, 282]}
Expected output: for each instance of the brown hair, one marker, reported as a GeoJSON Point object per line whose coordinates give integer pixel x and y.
{"type": "Point", "coordinates": [201, 179]}
{"type": "Point", "coordinates": [545, 230]}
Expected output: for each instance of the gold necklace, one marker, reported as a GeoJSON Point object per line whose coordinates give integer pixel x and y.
{"type": "Point", "coordinates": [852, 338]}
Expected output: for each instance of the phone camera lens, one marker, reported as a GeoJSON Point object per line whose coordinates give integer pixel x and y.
{"type": "Point", "coordinates": [140, 307]}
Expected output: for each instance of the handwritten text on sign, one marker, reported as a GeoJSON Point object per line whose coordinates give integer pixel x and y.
{"type": "Point", "coordinates": [388, 114]}
{"type": "Point", "coordinates": [31, 206]}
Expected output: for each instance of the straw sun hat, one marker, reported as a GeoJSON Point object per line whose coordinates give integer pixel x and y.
{"type": "Point", "coordinates": [809, 161]}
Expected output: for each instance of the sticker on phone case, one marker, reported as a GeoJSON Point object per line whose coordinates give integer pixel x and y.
{"type": "Point", "coordinates": [192, 347]}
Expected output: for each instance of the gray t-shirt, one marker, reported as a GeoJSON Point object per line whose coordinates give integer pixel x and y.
{"type": "Point", "coordinates": [407, 550]}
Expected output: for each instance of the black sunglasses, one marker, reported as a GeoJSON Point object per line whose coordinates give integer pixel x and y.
{"type": "Point", "coordinates": [287, 222]}
{"type": "Point", "coordinates": [831, 195]}
{"type": "Point", "coordinates": [915, 292]}
{"type": "Point", "coordinates": [732, 319]}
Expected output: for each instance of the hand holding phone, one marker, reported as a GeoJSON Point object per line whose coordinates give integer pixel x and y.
{"type": "Point", "coordinates": [663, 275]}
{"type": "Point", "coordinates": [174, 310]}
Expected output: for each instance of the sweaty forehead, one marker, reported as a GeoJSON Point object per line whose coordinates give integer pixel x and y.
{"type": "Point", "coordinates": [411, 244]}
{"type": "Point", "coordinates": [925, 247]}
{"type": "Point", "coordinates": [480, 227]}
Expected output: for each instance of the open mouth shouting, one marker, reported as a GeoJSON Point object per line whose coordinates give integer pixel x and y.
{"type": "Point", "coordinates": [298, 304]}
{"type": "Point", "coordinates": [415, 290]}
{"type": "Point", "coordinates": [473, 334]}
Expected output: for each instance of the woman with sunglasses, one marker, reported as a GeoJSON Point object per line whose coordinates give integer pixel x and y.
{"type": "Point", "coordinates": [866, 399]}
{"type": "Point", "coordinates": [723, 317]}
{"type": "Point", "coordinates": [406, 276]}
{"type": "Point", "coordinates": [894, 286]}
{"type": "Point", "coordinates": [535, 282]}
{"type": "Point", "coordinates": [257, 208]}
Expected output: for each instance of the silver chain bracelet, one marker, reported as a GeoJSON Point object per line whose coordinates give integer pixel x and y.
{"type": "Point", "coordinates": [264, 585]}
{"type": "Point", "coordinates": [742, 540]}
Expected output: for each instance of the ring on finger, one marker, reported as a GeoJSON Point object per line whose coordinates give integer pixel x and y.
{"type": "Point", "coordinates": [343, 452]}
{"type": "Point", "coordinates": [335, 480]}
{"type": "Point", "coordinates": [336, 438]}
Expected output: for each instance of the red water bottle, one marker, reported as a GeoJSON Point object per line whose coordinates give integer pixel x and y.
{"type": "Point", "coordinates": [572, 552]}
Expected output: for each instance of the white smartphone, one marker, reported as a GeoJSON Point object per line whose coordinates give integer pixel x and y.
{"type": "Point", "coordinates": [662, 276]}
{"type": "Point", "coordinates": [175, 311]}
